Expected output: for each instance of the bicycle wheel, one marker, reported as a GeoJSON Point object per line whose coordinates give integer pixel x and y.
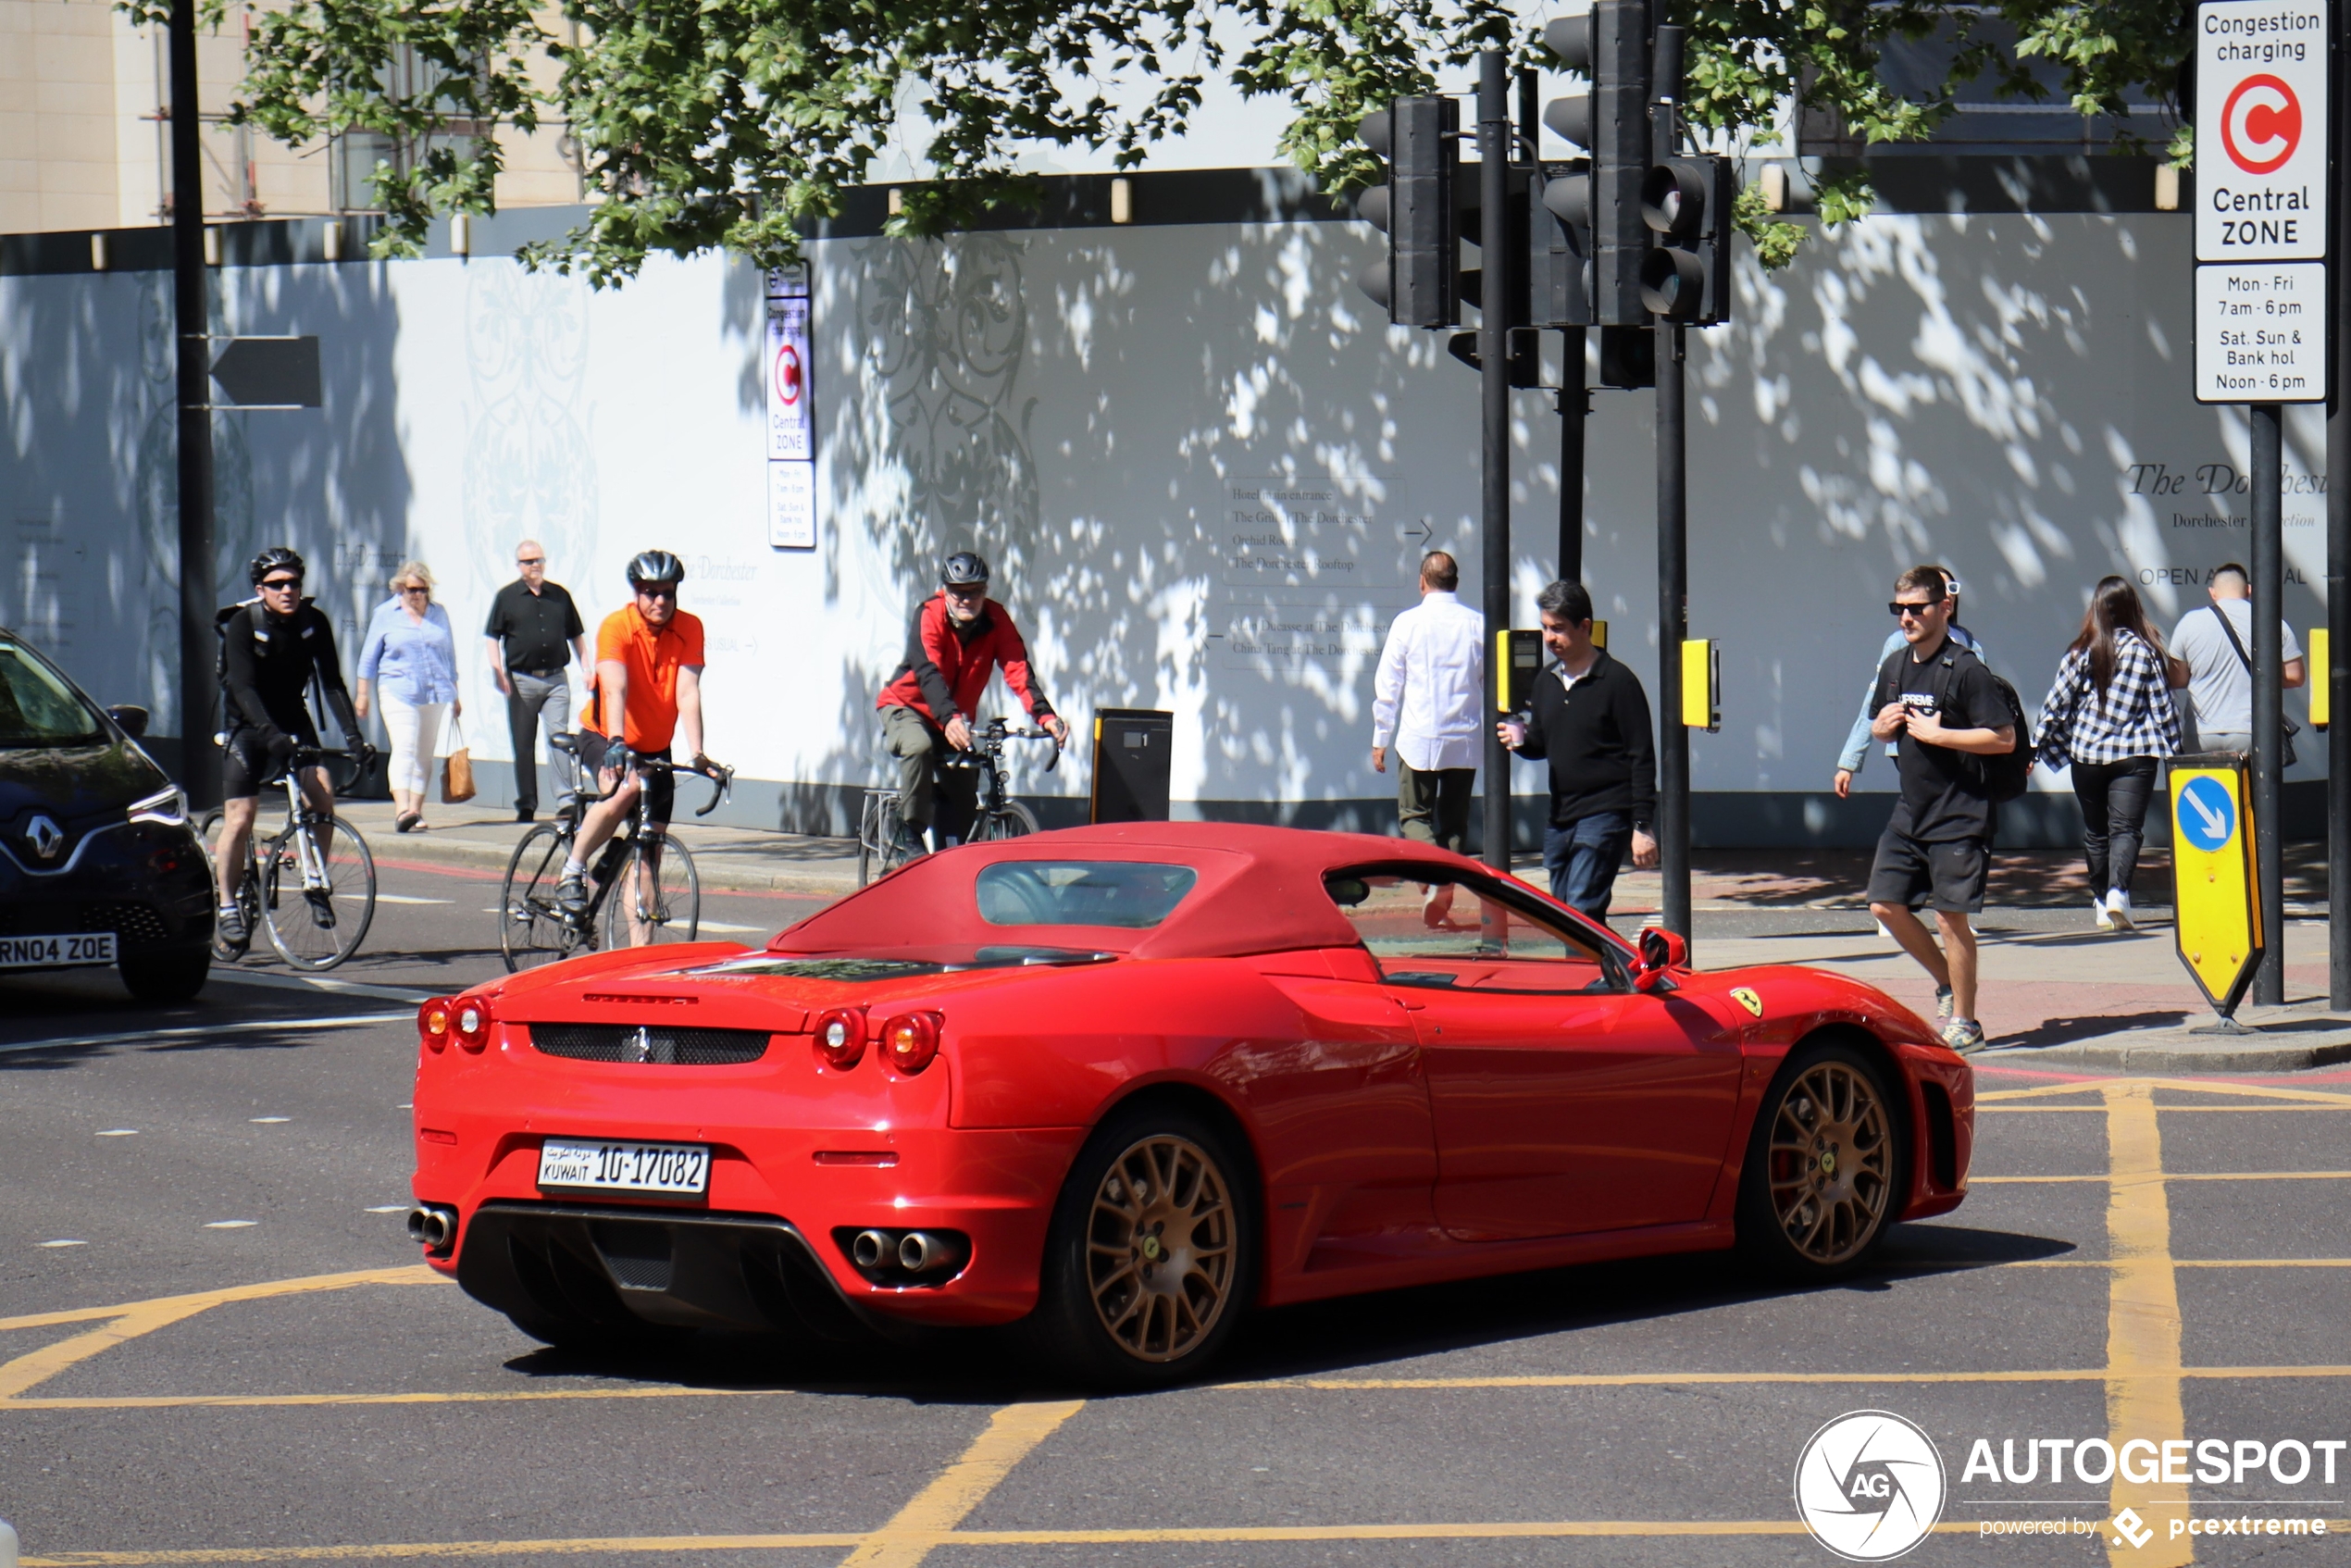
{"type": "Point", "coordinates": [318, 926]}
{"type": "Point", "coordinates": [532, 928]}
{"type": "Point", "coordinates": [869, 838]}
{"type": "Point", "coordinates": [879, 832]}
{"type": "Point", "coordinates": [1011, 820]}
{"type": "Point", "coordinates": [656, 897]}
{"type": "Point", "coordinates": [248, 891]}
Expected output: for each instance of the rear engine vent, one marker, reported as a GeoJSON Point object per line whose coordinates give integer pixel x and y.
{"type": "Point", "coordinates": [658, 1044]}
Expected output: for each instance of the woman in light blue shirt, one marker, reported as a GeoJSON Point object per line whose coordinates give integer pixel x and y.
{"type": "Point", "coordinates": [411, 651]}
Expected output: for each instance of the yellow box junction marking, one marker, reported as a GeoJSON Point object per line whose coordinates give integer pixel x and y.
{"type": "Point", "coordinates": [925, 1524]}
{"type": "Point", "coordinates": [2218, 928]}
{"type": "Point", "coordinates": [2143, 1318]}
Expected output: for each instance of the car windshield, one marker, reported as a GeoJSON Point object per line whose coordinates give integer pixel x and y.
{"type": "Point", "coordinates": [852, 970]}
{"type": "Point", "coordinates": [1128, 894]}
{"type": "Point", "coordinates": [38, 709]}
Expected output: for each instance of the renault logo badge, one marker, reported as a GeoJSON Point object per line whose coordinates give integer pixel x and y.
{"type": "Point", "coordinates": [640, 1046]}
{"type": "Point", "coordinates": [45, 837]}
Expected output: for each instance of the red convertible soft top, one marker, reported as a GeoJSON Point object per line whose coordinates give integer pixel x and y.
{"type": "Point", "coordinates": [1260, 890]}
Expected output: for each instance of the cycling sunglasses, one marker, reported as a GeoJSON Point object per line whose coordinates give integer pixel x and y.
{"type": "Point", "coordinates": [1896, 607]}
{"type": "Point", "coordinates": [281, 583]}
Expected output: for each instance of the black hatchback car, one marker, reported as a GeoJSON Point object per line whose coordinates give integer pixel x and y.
{"type": "Point", "coordinates": [99, 864]}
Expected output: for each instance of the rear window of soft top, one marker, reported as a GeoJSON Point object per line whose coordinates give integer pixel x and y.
{"type": "Point", "coordinates": [1131, 895]}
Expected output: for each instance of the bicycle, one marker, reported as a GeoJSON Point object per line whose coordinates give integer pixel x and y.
{"type": "Point", "coordinates": [665, 901]}
{"type": "Point", "coordinates": [301, 881]}
{"type": "Point", "coordinates": [880, 835]}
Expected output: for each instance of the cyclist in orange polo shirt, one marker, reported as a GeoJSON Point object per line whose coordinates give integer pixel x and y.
{"type": "Point", "coordinates": [647, 686]}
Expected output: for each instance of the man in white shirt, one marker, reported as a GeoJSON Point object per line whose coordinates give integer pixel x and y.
{"type": "Point", "coordinates": [1425, 704]}
{"type": "Point", "coordinates": [2219, 667]}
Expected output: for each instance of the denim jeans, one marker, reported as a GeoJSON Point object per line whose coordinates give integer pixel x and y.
{"type": "Point", "coordinates": [1582, 858]}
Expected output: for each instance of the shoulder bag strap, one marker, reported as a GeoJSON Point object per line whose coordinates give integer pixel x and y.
{"type": "Point", "coordinates": [2234, 641]}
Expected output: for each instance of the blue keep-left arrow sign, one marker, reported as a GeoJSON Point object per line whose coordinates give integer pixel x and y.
{"type": "Point", "coordinates": [2208, 817]}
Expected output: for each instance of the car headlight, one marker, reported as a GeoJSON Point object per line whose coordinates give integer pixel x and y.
{"type": "Point", "coordinates": [169, 808]}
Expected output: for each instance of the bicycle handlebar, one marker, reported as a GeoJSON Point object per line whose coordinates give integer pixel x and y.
{"type": "Point", "coordinates": [722, 777]}
{"type": "Point", "coordinates": [989, 741]}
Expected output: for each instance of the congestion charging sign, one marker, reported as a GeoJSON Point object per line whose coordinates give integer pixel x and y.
{"type": "Point", "coordinates": [2262, 123]}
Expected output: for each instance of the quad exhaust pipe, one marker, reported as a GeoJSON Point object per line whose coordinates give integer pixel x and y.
{"type": "Point", "coordinates": [888, 1256]}
{"type": "Point", "coordinates": [433, 1226]}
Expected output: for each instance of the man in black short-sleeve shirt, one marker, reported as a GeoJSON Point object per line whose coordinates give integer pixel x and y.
{"type": "Point", "coordinates": [534, 631]}
{"type": "Point", "coordinates": [1941, 704]}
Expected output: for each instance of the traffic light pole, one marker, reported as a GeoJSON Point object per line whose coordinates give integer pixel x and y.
{"type": "Point", "coordinates": [1673, 625]}
{"type": "Point", "coordinates": [199, 761]}
{"type": "Point", "coordinates": [1494, 370]}
{"type": "Point", "coordinates": [1672, 545]}
{"type": "Point", "coordinates": [2269, 692]}
{"type": "Point", "coordinates": [2338, 671]}
{"type": "Point", "coordinates": [1574, 403]}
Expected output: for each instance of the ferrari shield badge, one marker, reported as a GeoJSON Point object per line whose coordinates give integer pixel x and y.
{"type": "Point", "coordinates": [1748, 1000]}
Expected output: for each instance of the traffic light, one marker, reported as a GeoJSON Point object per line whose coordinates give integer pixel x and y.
{"type": "Point", "coordinates": [1610, 45]}
{"type": "Point", "coordinates": [1418, 139]}
{"type": "Point", "coordinates": [1686, 277]}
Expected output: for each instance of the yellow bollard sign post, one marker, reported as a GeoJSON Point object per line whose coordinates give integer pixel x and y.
{"type": "Point", "coordinates": [1518, 655]}
{"type": "Point", "coordinates": [2215, 892]}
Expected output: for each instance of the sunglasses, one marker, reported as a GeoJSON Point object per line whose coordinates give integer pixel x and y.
{"type": "Point", "coordinates": [1897, 609]}
{"type": "Point", "coordinates": [530, 560]}
{"type": "Point", "coordinates": [657, 591]}
{"type": "Point", "coordinates": [976, 590]}
{"type": "Point", "coordinates": [282, 584]}
{"type": "Point", "coordinates": [416, 588]}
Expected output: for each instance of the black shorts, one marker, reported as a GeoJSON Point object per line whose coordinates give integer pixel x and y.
{"type": "Point", "coordinates": [661, 785]}
{"type": "Point", "coordinates": [1949, 874]}
{"type": "Point", "coordinates": [245, 761]}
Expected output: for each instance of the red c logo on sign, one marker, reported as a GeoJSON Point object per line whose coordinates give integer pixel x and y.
{"type": "Point", "coordinates": [2261, 124]}
{"type": "Point", "coordinates": [788, 377]}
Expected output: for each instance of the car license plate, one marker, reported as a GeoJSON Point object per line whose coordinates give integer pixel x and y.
{"type": "Point", "coordinates": [626, 1167]}
{"type": "Point", "coordinates": [50, 953]}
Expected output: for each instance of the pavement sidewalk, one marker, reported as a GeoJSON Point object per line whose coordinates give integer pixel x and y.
{"type": "Point", "coordinates": [2056, 994]}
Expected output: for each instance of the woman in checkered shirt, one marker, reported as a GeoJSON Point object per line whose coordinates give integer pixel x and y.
{"type": "Point", "coordinates": [2110, 716]}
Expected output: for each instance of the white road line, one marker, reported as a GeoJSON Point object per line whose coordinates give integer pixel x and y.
{"type": "Point", "coordinates": [389, 1208]}
{"type": "Point", "coordinates": [230, 1224]}
{"type": "Point", "coordinates": [397, 898]}
{"type": "Point", "coordinates": [221, 976]}
{"type": "Point", "coordinates": [269, 1121]}
{"type": "Point", "coordinates": [63, 1242]}
{"type": "Point", "coordinates": [119, 1132]}
{"type": "Point", "coordinates": [203, 1031]}
{"type": "Point", "coordinates": [722, 925]}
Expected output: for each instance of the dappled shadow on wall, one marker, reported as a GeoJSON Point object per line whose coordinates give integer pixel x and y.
{"type": "Point", "coordinates": [1073, 406]}
{"type": "Point", "coordinates": [91, 476]}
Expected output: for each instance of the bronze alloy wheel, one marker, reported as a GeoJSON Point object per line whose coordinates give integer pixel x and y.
{"type": "Point", "coordinates": [1159, 1248]}
{"type": "Point", "coordinates": [1831, 1162]}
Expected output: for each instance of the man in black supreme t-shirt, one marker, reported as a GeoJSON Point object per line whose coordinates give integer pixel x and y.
{"type": "Point", "coordinates": [1941, 701]}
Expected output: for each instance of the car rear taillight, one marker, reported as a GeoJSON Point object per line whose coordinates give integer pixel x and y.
{"type": "Point", "coordinates": [910, 1041]}
{"type": "Point", "coordinates": [470, 1022]}
{"type": "Point", "coordinates": [841, 1039]}
{"type": "Point", "coordinates": [434, 1020]}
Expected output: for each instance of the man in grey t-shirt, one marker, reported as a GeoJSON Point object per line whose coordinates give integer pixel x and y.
{"type": "Point", "coordinates": [2218, 682]}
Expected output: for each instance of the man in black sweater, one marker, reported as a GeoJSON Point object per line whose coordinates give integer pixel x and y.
{"type": "Point", "coordinates": [1591, 718]}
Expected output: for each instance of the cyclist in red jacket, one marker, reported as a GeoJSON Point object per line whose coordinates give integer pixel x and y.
{"type": "Point", "coordinates": [959, 637]}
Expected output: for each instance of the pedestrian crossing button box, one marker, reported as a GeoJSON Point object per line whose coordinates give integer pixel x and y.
{"type": "Point", "coordinates": [1518, 656]}
{"type": "Point", "coordinates": [1134, 757]}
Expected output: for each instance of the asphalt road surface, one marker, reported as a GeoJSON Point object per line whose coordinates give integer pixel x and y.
{"type": "Point", "coordinates": [217, 1346]}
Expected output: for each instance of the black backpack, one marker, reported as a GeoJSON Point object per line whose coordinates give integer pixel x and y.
{"type": "Point", "coordinates": [2005, 774]}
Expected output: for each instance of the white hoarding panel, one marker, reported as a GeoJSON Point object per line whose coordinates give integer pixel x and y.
{"type": "Point", "coordinates": [2261, 130]}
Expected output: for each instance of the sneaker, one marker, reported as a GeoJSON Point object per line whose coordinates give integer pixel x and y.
{"type": "Point", "coordinates": [1941, 1007]}
{"type": "Point", "coordinates": [230, 932]}
{"type": "Point", "coordinates": [909, 845]}
{"type": "Point", "coordinates": [322, 907]}
{"type": "Point", "coordinates": [526, 814]}
{"type": "Point", "coordinates": [2100, 915]}
{"type": "Point", "coordinates": [571, 894]}
{"type": "Point", "coordinates": [2118, 911]}
{"type": "Point", "coordinates": [1963, 1034]}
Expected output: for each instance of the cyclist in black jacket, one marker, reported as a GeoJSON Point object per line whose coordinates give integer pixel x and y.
{"type": "Point", "coordinates": [274, 647]}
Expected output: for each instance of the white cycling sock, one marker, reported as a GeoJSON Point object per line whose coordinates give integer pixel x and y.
{"type": "Point", "coordinates": [573, 867]}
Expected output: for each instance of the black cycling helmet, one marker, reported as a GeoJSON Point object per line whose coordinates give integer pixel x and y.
{"type": "Point", "coordinates": [962, 570]}
{"type": "Point", "coordinates": [655, 565]}
{"type": "Point", "coordinates": [278, 557]}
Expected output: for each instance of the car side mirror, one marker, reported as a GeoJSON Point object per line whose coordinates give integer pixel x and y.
{"type": "Point", "coordinates": [1660, 951]}
{"type": "Point", "coordinates": [131, 717]}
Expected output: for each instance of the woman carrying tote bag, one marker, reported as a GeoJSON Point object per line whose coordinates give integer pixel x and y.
{"type": "Point", "coordinates": [411, 651]}
{"type": "Point", "coordinates": [2110, 716]}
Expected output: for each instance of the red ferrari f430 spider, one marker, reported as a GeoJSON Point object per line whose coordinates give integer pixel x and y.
{"type": "Point", "coordinates": [1129, 1082]}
